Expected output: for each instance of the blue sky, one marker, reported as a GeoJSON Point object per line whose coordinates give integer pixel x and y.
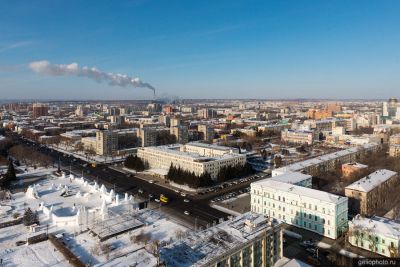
{"type": "Point", "coordinates": [204, 49]}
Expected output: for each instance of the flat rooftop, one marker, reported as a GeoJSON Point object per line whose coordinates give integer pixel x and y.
{"type": "Point", "coordinates": [299, 190]}
{"type": "Point", "coordinates": [175, 150]}
{"type": "Point", "coordinates": [380, 226]}
{"type": "Point", "coordinates": [372, 180]}
{"type": "Point", "coordinates": [290, 177]}
{"type": "Point", "coordinates": [201, 248]}
{"type": "Point", "coordinates": [314, 161]}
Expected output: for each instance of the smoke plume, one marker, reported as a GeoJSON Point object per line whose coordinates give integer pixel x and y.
{"type": "Point", "coordinates": [117, 79]}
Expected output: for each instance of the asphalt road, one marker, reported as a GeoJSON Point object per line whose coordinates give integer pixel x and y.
{"type": "Point", "coordinates": [200, 213]}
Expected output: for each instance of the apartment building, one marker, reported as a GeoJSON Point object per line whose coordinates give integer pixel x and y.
{"type": "Point", "coordinates": [297, 137]}
{"type": "Point", "coordinates": [148, 135]}
{"type": "Point", "coordinates": [370, 194]}
{"type": "Point", "coordinates": [304, 207]}
{"type": "Point", "coordinates": [180, 132]}
{"type": "Point", "coordinates": [194, 157]}
{"type": "Point", "coordinates": [207, 132]}
{"type": "Point", "coordinates": [376, 234]}
{"type": "Point", "coordinates": [349, 169]}
{"type": "Point", "coordinates": [329, 161]}
{"type": "Point", "coordinates": [106, 142]}
{"type": "Point", "coordinates": [394, 145]}
{"type": "Point", "coordinates": [247, 240]}
{"type": "Point", "coordinates": [39, 110]}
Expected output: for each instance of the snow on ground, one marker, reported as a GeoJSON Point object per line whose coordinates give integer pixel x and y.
{"type": "Point", "coordinates": [125, 252]}
{"type": "Point", "coordinates": [40, 254]}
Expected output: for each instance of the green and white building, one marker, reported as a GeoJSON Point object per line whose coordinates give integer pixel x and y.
{"type": "Point", "coordinates": [375, 234]}
{"type": "Point", "coordinates": [286, 198]}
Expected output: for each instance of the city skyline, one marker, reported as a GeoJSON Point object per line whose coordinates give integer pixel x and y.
{"type": "Point", "coordinates": [261, 50]}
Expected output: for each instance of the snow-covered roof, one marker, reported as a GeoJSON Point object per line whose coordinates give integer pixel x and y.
{"type": "Point", "coordinates": [314, 161]}
{"type": "Point", "coordinates": [290, 177]}
{"type": "Point", "coordinates": [372, 180]}
{"type": "Point", "coordinates": [299, 190]}
{"type": "Point", "coordinates": [356, 165]}
{"type": "Point", "coordinates": [379, 225]}
{"type": "Point", "coordinates": [201, 248]}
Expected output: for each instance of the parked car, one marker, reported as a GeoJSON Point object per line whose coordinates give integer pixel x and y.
{"type": "Point", "coordinates": [307, 243]}
{"type": "Point", "coordinates": [186, 212]}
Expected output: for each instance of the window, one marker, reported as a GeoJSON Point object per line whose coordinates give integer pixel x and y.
{"type": "Point", "coordinates": [316, 218]}
{"type": "Point", "coordinates": [309, 216]}
{"type": "Point", "coordinates": [283, 208]}
{"type": "Point", "coordinates": [283, 199]}
{"type": "Point", "coordinates": [305, 224]}
{"type": "Point", "coordinates": [305, 215]}
{"type": "Point", "coordinates": [297, 222]}
{"type": "Point", "coordinates": [383, 250]}
{"type": "Point", "coordinates": [279, 198]}
{"type": "Point", "coordinates": [315, 227]}
{"type": "Point", "coordinates": [315, 207]}
{"type": "Point", "coordinates": [383, 241]}
{"type": "Point", "coordinates": [309, 225]}
{"type": "Point", "coordinates": [309, 206]}
{"type": "Point", "coordinates": [329, 222]}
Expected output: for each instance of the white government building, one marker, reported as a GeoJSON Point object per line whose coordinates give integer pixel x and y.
{"type": "Point", "coordinates": [290, 198]}
{"type": "Point", "coordinates": [194, 157]}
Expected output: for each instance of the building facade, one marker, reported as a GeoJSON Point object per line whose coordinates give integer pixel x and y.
{"type": "Point", "coordinates": [193, 157]}
{"type": "Point", "coordinates": [303, 207]}
{"type": "Point", "coordinates": [247, 240]}
{"type": "Point", "coordinates": [376, 234]}
{"type": "Point", "coordinates": [297, 137]}
{"type": "Point", "coordinates": [106, 143]}
{"type": "Point", "coordinates": [370, 194]}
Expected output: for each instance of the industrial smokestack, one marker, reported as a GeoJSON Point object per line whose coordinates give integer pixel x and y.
{"type": "Point", "coordinates": [44, 67]}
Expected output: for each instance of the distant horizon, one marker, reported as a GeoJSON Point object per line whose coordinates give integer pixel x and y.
{"type": "Point", "coordinates": [197, 99]}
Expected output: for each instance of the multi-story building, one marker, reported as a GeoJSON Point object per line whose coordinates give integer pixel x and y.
{"type": "Point", "coordinates": [207, 113]}
{"type": "Point", "coordinates": [148, 134]}
{"type": "Point", "coordinates": [376, 234]}
{"type": "Point", "coordinates": [180, 132]}
{"type": "Point", "coordinates": [106, 142]}
{"type": "Point", "coordinates": [329, 161]}
{"type": "Point", "coordinates": [370, 194]}
{"type": "Point", "coordinates": [317, 211]}
{"type": "Point", "coordinates": [248, 240]}
{"type": "Point", "coordinates": [394, 145]}
{"type": "Point", "coordinates": [207, 132]}
{"type": "Point", "coordinates": [349, 169]}
{"type": "Point", "coordinates": [39, 110]}
{"type": "Point", "coordinates": [297, 137]}
{"type": "Point", "coordinates": [194, 157]}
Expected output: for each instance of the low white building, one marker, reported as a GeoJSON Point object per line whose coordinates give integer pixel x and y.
{"type": "Point", "coordinates": [282, 198]}
{"type": "Point", "coordinates": [376, 234]}
{"type": "Point", "coordinates": [194, 157]}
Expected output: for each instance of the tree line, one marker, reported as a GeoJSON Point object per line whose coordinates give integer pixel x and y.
{"type": "Point", "coordinates": [135, 163]}
{"type": "Point", "coordinates": [183, 177]}
{"type": "Point", "coordinates": [231, 172]}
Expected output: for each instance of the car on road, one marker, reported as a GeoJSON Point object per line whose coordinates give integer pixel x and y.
{"type": "Point", "coordinates": [311, 250]}
{"type": "Point", "coordinates": [186, 200]}
{"type": "Point", "coordinates": [183, 194]}
{"type": "Point", "coordinates": [151, 181]}
{"type": "Point", "coordinates": [156, 200]}
{"type": "Point", "coordinates": [140, 191]}
{"type": "Point", "coordinates": [186, 212]}
{"type": "Point", "coordinates": [307, 243]}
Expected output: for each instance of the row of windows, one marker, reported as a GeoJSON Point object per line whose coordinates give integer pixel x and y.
{"type": "Point", "coordinates": [295, 203]}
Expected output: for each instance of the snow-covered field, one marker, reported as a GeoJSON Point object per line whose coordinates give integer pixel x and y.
{"type": "Point", "coordinates": [40, 254]}
{"type": "Point", "coordinates": [124, 252]}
